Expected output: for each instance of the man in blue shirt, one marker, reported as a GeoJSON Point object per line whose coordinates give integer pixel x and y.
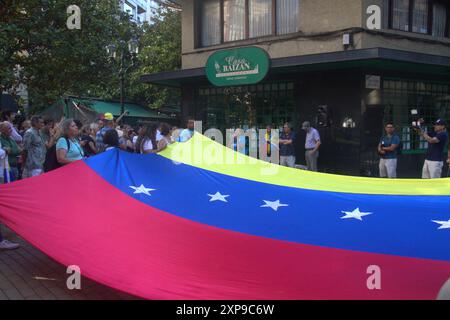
{"type": "Point", "coordinates": [387, 149]}
{"type": "Point", "coordinates": [187, 133]}
{"type": "Point", "coordinates": [287, 150]}
{"type": "Point", "coordinates": [108, 125]}
{"type": "Point", "coordinates": [437, 140]}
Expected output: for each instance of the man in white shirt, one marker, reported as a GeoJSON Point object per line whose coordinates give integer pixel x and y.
{"type": "Point", "coordinates": [312, 145]}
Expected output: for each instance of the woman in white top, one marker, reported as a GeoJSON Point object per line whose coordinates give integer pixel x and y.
{"type": "Point", "coordinates": [147, 141]}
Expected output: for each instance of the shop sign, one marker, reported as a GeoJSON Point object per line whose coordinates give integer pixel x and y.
{"type": "Point", "coordinates": [373, 82]}
{"type": "Point", "coordinates": [239, 66]}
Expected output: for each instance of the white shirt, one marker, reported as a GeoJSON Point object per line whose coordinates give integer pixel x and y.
{"type": "Point", "coordinates": [14, 134]}
{"type": "Point", "coordinates": [312, 137]}
{"type": "Point", "coordinates": [158, 135]}
{"type": "Point", "coordinates": [3, 160]}
{"type": "Point", "coordinates": [185, 135]}
{"type": "Point", "coordinates": [148, 145]}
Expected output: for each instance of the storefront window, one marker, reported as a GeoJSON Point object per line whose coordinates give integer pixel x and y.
{"type": "Point", "coordinates": [287, 16]}
{"type": "Point", "coordinates": [210, 22]}
{"type": "Point", "coordinates": [248, 106]}
{"type": "Point", "coordinates": [430, 99]}
{"type": "Point", "coordinates": [234, 20]}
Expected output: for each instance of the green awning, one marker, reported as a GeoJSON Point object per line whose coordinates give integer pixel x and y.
{"type": "Point", "coordinates": [134, 110]}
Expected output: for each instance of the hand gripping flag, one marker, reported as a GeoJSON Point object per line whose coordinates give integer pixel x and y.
{"type": "Point", "coordinates": [199, 221]}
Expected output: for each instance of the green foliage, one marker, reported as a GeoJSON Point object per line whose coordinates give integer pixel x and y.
{"type": "Point", "coordinates": [160, 51]}
{"type": "Point", "coordinates": [56, 61]}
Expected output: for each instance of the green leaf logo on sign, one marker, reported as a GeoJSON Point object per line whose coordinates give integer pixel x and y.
{"type": "Point", "coordinates": [240, 66]}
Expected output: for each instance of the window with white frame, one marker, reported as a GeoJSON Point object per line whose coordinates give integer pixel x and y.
{"type": "Point", "coordinates": [223, 21]}
{"type": "Point", "coordinates": [420, 16]}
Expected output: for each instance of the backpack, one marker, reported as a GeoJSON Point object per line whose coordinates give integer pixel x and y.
{"type": "Point", "coordinates": [51, 160]}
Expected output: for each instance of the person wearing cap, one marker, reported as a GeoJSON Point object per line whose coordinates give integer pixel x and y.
{"type": "Point", "coordinates": [108, 122]}
{"type": "Point", "coordinates": [434, 160]}
{"type": "Point", "coordinates": [312, 145]}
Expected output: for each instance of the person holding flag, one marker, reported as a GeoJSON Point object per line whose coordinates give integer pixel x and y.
{"type": "Point", "coordinates": [437, 140]}
{"type": "Point", "coordinates": [4, 178]}
{"type": "Point", "coordinates": [11, 148]}
{"type": "Point", "coordinates": [4, 166]}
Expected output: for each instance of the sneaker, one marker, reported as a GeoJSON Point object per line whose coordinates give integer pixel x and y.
{"type": "Point", "coordinates": [6, 245]}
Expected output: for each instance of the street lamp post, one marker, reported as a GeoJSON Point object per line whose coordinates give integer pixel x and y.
{"type": "Point", "coordinates": [124, 51]}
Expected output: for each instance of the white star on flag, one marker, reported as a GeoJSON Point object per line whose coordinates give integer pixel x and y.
{"type": "Point", "coordinates": [355, 214]}
{"type": "Point", "coordinates": [142, 189]}
{"type": "Point", "coordinates": [444, 224]}
{"type": "Point", "coordinates": [218, 197]}
{"type": "Point", "coordinates": [273, 204]}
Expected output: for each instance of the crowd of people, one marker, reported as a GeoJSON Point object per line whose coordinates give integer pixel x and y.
{"type": "Point", "coordinates": [389, 148]}
{"type": "Point", "coordinates": [30, 147]}
{"type": "Point", "coordinates": [285, 144]}
{"type": "Point", "coordinates": [33, 146]}
{"type": "Point", "coordinates": [46, 145]}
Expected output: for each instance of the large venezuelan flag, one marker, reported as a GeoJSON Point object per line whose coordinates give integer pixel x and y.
{"type": "Point", "coordinates": [200, 221]}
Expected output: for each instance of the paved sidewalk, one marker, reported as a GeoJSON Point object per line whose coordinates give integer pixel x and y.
{"type": "Point", "coordinates": [29, 274]}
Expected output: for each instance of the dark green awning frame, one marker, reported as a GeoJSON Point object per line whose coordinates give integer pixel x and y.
{"type": "Point", "coordinates": [384, 59]}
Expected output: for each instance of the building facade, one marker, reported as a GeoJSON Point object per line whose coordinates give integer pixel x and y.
{"type": "Point", "coordinates": [140, 10]}
{"type": "Point", "coordinates": [367, 62]}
